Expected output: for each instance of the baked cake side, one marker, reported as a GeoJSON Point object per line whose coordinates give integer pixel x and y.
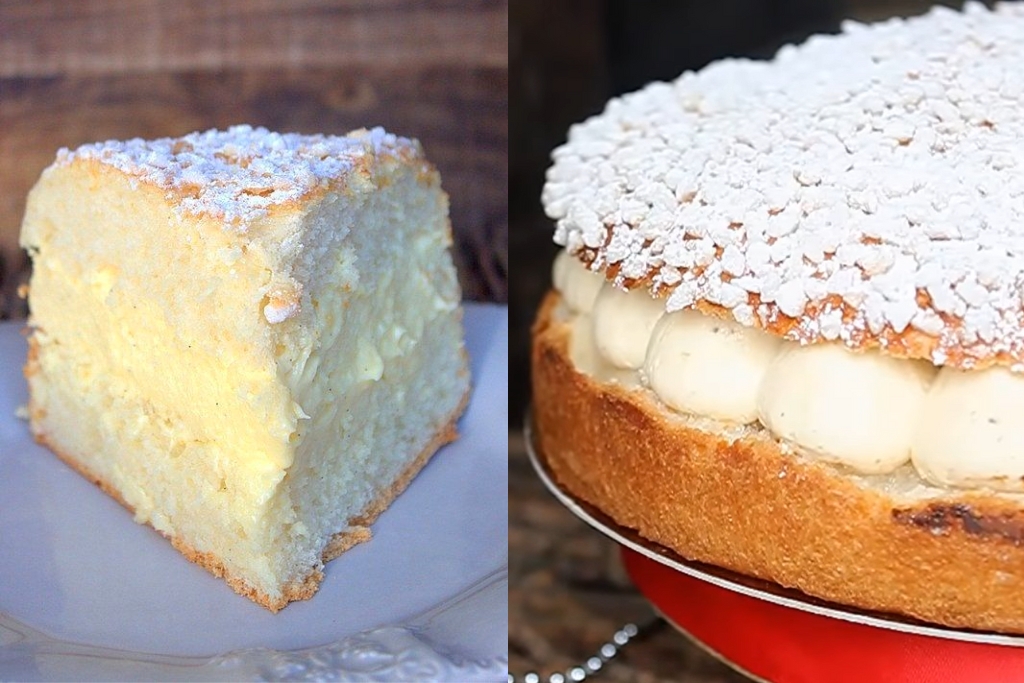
{"type": "Point", "coordinates": [252, 340]}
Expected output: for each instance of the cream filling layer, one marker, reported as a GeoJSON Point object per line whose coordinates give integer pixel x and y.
{"type": "Point", "coordinates": [856, 409]}
{"type": "Point", "coordinates": [623, 323]}
{"type": "Point", "coordinates": [706, 366]}
{"type": "Point", "coordinates": [971, 433]}
{"type": "Point", "coordinates": [229, 403]}
{"type": "Point", "coordinates": [577, 284]}
{"type": "Point", "coordinates": [863, 410]}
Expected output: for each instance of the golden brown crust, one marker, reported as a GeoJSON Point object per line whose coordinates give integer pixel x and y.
{"type": "Point", "coordinates": [344, 540]}
{"type": "Point", "coordinates": [752, 508]}
{"type": "Point", "coordinates": [356, 532]}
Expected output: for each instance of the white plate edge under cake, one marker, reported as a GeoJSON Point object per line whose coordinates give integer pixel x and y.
{"type": "Point", "coordinates": [424, 648]}
{"type": "Point", "coordinates": [722, 577]}
{"type": "Point", "coordinates": [438, 643]}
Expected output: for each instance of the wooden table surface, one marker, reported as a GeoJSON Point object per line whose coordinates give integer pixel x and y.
{"type": "Point", "coordinates": [568, 594]}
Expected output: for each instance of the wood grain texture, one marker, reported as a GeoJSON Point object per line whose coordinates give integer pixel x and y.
{"type": "Point", "coordinates": [459, 114]}
{"type": "Point", "coordinates": [51, 37]}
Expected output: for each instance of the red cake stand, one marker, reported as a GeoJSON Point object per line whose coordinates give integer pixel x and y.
{"type": "Point", "coordinates": [776, 634]}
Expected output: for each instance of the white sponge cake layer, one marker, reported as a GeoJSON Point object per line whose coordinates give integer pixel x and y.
{"type": "Point", "coordinates": [250, 391]}
{"type": "Point", "coordinates": [388, 366]}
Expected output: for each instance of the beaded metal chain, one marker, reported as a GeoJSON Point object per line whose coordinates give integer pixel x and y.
{"type": "Point", "coordinates": [593, 664]}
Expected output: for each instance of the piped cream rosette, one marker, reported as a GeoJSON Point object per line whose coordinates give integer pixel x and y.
{"type": "Point", "coordinates": [860, 409]}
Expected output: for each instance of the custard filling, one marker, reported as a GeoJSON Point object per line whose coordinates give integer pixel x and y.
{"type": "Point", "coordinates": [863, 410]}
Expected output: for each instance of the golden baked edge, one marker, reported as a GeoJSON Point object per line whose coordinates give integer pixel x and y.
{"type": "Point", "coordinates": [358, 531]}
{"type": "Point", "coordinates": [750, 507]}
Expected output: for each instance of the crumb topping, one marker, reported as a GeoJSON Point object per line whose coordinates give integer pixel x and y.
{"type": "Point", "coordinates": [237, 175]}
{"type": "Point", "coordinates": [282, 302]}
{"type": "Point", "coordinates": [864, 187]}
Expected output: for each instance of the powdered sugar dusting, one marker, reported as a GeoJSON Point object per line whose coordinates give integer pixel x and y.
{"type": "Point", "coordinates": [239, 174]}
{"type": "Point", "coordinates": [864, 187]}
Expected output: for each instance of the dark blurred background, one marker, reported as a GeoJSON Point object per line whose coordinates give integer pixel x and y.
{"type": "Point", "coordinates": [569, 56]}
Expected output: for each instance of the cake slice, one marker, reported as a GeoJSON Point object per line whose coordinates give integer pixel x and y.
{"type": "Point", "coordinates": [252, 340]}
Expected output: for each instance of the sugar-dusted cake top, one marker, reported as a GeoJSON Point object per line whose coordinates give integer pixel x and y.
{"type": "Point", "coordinates": [239, 174]}
{"type": "Point", "coordinates": [867, 187]}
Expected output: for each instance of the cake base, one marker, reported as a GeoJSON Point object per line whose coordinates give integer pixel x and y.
{"type": "Point", "coordinates": [752, 507]}
{"type": "Point", "coordinates": [356, 532]}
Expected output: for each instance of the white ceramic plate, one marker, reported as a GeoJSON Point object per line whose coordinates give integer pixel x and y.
{"type": "Point", "coordinates": [88, 594]}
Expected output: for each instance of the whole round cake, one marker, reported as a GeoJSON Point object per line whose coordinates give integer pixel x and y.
{"type": "Point", "coordinates": [786, 334]}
